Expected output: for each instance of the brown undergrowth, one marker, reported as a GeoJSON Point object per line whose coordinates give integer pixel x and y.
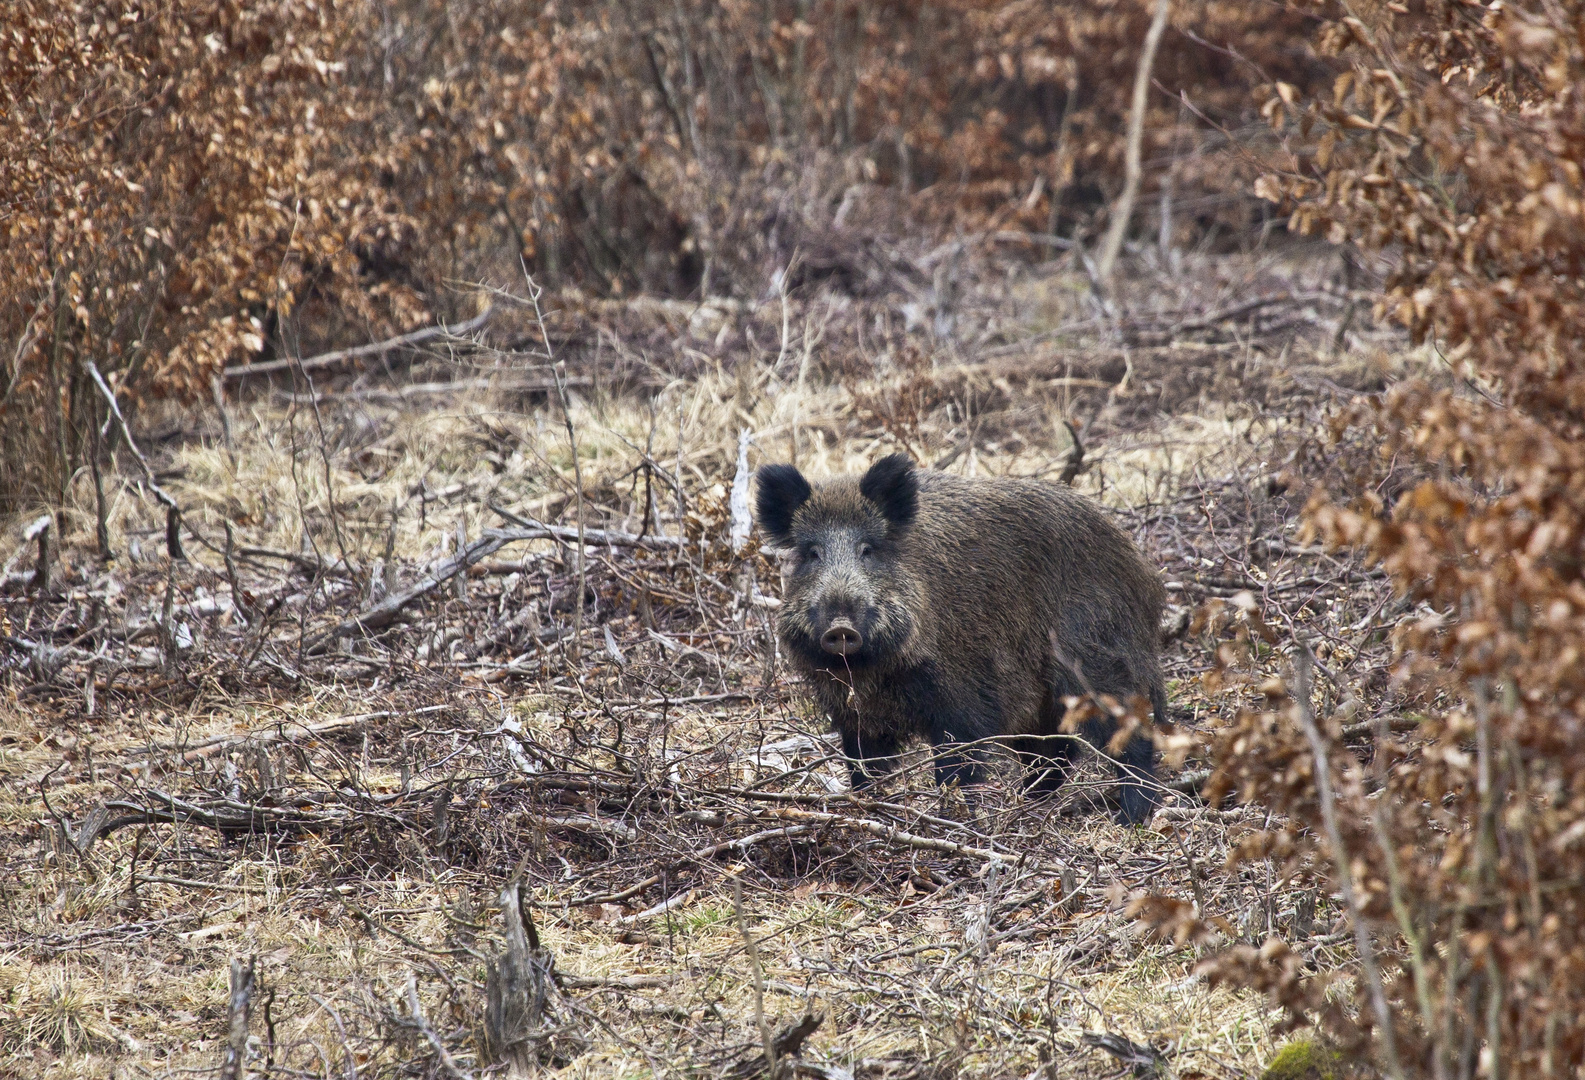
{"type": "Point", "coordinates": [1453, 139]}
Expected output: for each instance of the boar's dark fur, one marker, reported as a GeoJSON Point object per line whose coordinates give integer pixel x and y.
{"type": "Point", "coordinates": [920, 603]}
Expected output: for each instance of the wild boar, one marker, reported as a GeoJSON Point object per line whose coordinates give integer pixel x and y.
{"type": "Point", "coordinates": [917, 603]}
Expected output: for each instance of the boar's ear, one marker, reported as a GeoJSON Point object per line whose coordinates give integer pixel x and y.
{"type": "Point", "coordinates": [782, 490]}
{"type": "Point", "coordinates": [892, 487]}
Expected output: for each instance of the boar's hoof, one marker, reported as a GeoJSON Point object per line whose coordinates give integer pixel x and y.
{"type": "Point", "coordinates": [842, 639]}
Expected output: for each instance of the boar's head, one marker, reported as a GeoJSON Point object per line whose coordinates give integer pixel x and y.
{"type": "Point", "coordinates": [848, 599]}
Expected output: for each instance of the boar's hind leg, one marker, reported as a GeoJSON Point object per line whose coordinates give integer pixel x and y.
{"type": "Point", "coordinates": [870, 757]}
{"type": "Point", "coordinates": [1136, 765]}
{"type": "Point", "coordinates": [1047, 762]}
{"type": "Point", "coordinates": [1136, 771]}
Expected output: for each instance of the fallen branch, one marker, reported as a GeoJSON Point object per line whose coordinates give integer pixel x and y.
{"type": "Point", "coordinates": [1205, 322]}
{"type": "Point", "coordinates": [808, 821]}
{"type": "Point", "coordinates": [1145, 1060]}
{"type": "Point", "coordinates": [224, 817]}
{"type": "Point", "coordinates": [384, 613]}
{"type": "Point", "coordinates": [417, 337]}
{"type": "Point", "coordinates": [307, 563]}
{"type": "Point", "coordinates": [189, 883]}
{"type": "Point", "coordinates": [784, 1044]}
{"type": "Point", "coordinates": [281, 731]}
{"type": "Point", "coordinates": [1189, 783]}
{"type": "Point", "coordinates": [531, 529]}
{"type": "Point", "coordinates": [698, 856]}
{"type": "Point", "coordinates": [617, 982]}
{"type": "Point", "coordinates": [1398, 725]}
{"type": "Point", "coordinates": [587, 823]}
{"type": "Point", "coordinates": [894, 835]}
{"type": "Point", "coordinates": [411, 390]}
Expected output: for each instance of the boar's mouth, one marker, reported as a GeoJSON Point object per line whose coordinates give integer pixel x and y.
{"type": "Point", "coordinates": [841, 638]}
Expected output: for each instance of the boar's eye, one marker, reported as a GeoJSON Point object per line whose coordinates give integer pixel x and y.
{"type": "Point", "coordinates": [866, 551]}
{"type": "Point", "coordinates": [814, 552]}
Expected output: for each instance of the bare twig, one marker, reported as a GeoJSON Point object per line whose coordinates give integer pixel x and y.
{"type": "Point", "coordinates": [1123, 210]}
{"type": "Point", "coordinates": [559, 372]}
{"type": "Point", "coordinates": [759, 977]}
{"type": "Point", "coordinates": [189, 883]}
{"type": "Point", "coordinates": [121, 421]}
{"type": "Point", "coordinates": [415, 1019]}
{"type": "Point", "coordinates": [283, 732]}
{"type": "Point", "coordinates": [385, 612]}
{"type": "Point", "coordinates": [577, 480]}
{"type": "Point", "coordinates": [598, 537]}
{"type": "Point", "coordinates": [1304, 713]}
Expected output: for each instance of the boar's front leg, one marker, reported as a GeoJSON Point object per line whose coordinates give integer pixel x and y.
{"type": "Point", "coordinates": [955, 728]}
{"type": "Point", "coordinates": [870, 756]}
{"type": "Point", "coordinates": [956, 763]}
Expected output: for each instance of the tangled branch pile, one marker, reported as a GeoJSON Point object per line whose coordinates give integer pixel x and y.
{"type": "Point", "coordinates": [1455, 136]}
{"type": "Point", "coordinates": [194, 183]}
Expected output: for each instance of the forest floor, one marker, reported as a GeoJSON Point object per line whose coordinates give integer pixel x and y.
{"type": "Point", "coordinates": [198, 765]}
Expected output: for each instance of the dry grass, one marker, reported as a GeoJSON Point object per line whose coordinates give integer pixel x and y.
{"type": "Point", "coordinates": [492, 755]}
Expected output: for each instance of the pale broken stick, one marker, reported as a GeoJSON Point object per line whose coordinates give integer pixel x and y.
{"type": "Point", "coordinates": [892, 834]}
{"type": "Point", "coordinates": [240, 371]}
{"type": "Point", "coordinates": [810, 819]}
{"type": "Point", "coordinates": [385, 612]}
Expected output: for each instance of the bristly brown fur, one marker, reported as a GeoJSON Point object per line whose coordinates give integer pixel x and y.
{"type": "Point", "coordinates": [981, 604]}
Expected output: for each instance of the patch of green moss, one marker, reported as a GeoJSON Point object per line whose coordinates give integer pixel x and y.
{"type": "Point", "coordinates": [1305, 1060]}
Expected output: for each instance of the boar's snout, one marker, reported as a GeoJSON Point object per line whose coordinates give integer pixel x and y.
{"type": "Point", "coordinates": [842, 638]}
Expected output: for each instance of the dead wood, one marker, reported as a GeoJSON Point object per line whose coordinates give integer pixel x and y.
{"type": "Point", "coordinates": [1144, 1061]}
{"type": "Point", "coordinates": [786, 1043]}
{"type": "Point", "coordinates": [385, 612]}
{"type": "Point", "coordinates": [336, 356]}
{"type": "Point", "coordinates": [239, 1008]}
{"type": "Point", "coordinates": [121, 423]}
{"type": "Point", "coordinates": [225, 816]}
{"type": "Point", "coordinates": [519, 1028]}
{"type": "Point", "coordinates": [424, 389]}
{"type": "Point", "coordinates": [1123, 210]}
{"type": "Point", "coordinates": [284, 732]}
{"type": "Point", "coordinates": [415, 1019]}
